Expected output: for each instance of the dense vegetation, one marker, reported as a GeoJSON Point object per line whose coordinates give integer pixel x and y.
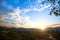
{"type": "Point", "coordinates": [27, 34]}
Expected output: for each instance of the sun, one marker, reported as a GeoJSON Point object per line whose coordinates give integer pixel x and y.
{"type": "Point", "coordinates": [42, 27]}
{"type": "Point", "coordinates": [38, 26]}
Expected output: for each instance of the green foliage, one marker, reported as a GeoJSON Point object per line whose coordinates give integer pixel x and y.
{"type": "Point", "coordinates": [55, 4]}
{"type": "Point", "coordinates": [58, 2]}
{"type": "Point", "coordinates": [14, 34]}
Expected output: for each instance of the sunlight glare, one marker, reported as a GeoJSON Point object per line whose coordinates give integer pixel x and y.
{"type": "Point", "coordinates": [38, 26]}
{"type": "Point", "coordinates": [42, 27]}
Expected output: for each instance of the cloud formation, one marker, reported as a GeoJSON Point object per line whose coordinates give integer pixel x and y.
{"type": "Point", "coordinates": [36, 8]}
{"type": "Point", "coordinates": [16, 16]}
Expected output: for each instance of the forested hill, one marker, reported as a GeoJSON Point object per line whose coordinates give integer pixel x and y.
{"type": "Point", "coordinates": [27, 34]}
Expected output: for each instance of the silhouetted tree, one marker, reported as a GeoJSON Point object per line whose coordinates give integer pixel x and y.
{"type": "Point", "coordinates": [55, 6]}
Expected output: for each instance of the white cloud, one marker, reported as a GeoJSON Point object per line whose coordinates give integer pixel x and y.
{"type": "Point", "coordinates": [16, 15]}
{"type": "Point", "coordinates": [26, 10]}
{"type": "Point", "coordinates": [26, 18]}
{"type": "Point", "coordinates": [43, 0]}
{"type": "Point", "coordinates": [36, 8]}
{"type": "Point", "coordinates": [41, 9]}
{"type": "Point", "coordinates": [10, 16]}
{"type": "Point", "coordinates": [44, 7]}
{"type": "Point", "coordinates": [2, 17]}
{"type": "Point", "coordinates": [39, 1]}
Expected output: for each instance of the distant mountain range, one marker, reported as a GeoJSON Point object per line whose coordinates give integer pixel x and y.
{"type": "Point", "coordinates": [57, 28]}
{"type": "Point", "coordinates": [30, 29]}
{"type": "Point", "coordinates": [54, 27]}
{"type": "Point", "coordinates": [50, 27]}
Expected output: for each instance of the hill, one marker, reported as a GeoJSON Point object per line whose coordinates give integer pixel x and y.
{"type": "Point", "coordinates": [27, 34]}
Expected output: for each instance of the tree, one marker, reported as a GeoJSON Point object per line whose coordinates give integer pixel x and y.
{"type": "Point", "coordinates": [55, 4]}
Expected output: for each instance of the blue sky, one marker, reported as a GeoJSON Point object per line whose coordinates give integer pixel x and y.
{"type": "Point", "coordinates": [27, 12]}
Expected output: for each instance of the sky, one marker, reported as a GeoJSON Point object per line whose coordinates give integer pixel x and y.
{"type": "Point", "coordinates": [27, 12]}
